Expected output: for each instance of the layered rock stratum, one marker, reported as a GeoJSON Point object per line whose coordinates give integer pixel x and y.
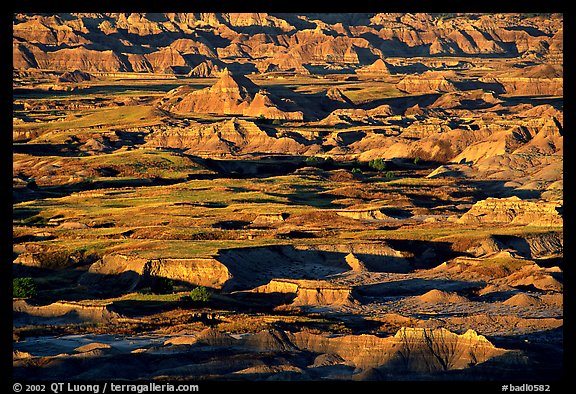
{"type": "Point", "coordinates": [100, 42]}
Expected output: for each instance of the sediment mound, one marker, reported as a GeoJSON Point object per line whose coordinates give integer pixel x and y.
{"type": "Point", "coordinates": [450, 171]}
{"type": "Point", "coordinates": [213, 337]}
{"type": "Point", "coordinates": [523, 299]}
{"type": "Point", "coordinates": [555, 300]}
{"type": "Point", "coordinates": [75, 76]}
{"type": "Point", "coordinates": [427, 82]}
{"type": "Point", "coordinates": [94, 145]}
{"type": "Point", "coordinates": [495, 288]}
{"type": "Point", "coordinates": [441, 297]}
{"type": "Point", "coordinates": [95, 349]}
{"type": "Point", "coordinates": [336, 95]}
{"type": "Point", "coordinates": [532, 275]}
{"type": "Point", "coordinates": [472, 99]}
{"type": "Point", "coordinates": [379, 67]}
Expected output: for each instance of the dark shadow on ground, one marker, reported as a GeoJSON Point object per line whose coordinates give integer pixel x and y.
{"type": "Point", "coordinates": [483, 189]}
{"type": "Point", "coordinates": [416, 287]}
{"type": "Point", "coordinates": [262, 168]}
{"type": "Point", "coordinates": [57, 191]}
{"type": "Point", "coordinates": [400, 104]}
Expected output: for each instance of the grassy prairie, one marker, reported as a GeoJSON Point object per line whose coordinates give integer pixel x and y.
{"type": "Point", "coordinates": [366, 92]}
{"type": "Point", "coordinates": [111, 118]}
{"type": "Point", "coordinates": [442, 232]}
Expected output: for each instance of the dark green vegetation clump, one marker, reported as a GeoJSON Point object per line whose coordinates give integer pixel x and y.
{"type": "Point", "coordinates": [199, 294]}
{"type": "Point", "coordinates": [377, 164]}
{"type": "Point", "coordinates": [162, 285]}
{"type": "Point", "coordinates": [23, 288]}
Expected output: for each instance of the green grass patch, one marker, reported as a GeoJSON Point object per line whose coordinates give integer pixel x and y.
{"type": "Point", "coordinates": [372, 92]}
{"type": "Point", "coordinates": [199, 294]}
{"type": "Point", "coordinates": [115, 117]}
{"type": "Point", "coordinates": [418, 181]}
{"type": "Point", "coordinates": [448, 232]}
{"type": "Point", "coordinates": [172, 297]}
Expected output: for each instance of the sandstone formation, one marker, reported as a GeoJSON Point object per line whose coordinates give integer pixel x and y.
{"type": "Point", "coordinates": [364, 214]}
{"type": "Point", "coordinates": [227, 137]}
{"type": "Point", "coordinates": [544, 79]}
{"type": "Point", "coordinates": [310, 293]}
{"type": "Point", "coordinates": [64, 311]}
{"type": "Point", "coordinates": [129, 272]}
{"type": "Point", "coordinates": [242, 268]}
{"type": "Point", "coordinates": [75, 76]}
{"type": "Point", "coordinates": [275, 41]}
{"type": "Point", "coordinates": [417, 349]}
{"type": "Point", "coordinates": [409, 351]}
{"type": "Point", "coordinates": [428, 82]}
{"type": "Point", "coordinates": [515, 211]}
{"type": "Point", "coordinates": [477, 98]}
{"type": "Point", "coordinates": [355, 263]}
{"type": "Point", "coordinates": [230, 95]}
{"type": "Point", "coordinates": [420, 349]}
{"type": "Point", "coordinates": [378, 68]}
{"type": "Point", "coordinates": [336, 95]}
{"type": "Point", "coordinates": [207, 68]}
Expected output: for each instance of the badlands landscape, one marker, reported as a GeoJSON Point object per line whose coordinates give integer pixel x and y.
{"type": "Point", "coordinates": [313, 197]}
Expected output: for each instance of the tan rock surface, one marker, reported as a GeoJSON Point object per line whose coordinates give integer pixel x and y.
{"type": "Point", "coordinates": [515, 211]}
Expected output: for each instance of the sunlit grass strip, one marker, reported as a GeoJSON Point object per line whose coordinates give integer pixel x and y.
{"type": "Point", "coordinates": [446, 232]}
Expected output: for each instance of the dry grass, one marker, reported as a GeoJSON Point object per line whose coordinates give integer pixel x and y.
{"type": "Point", "coordinates": [110, 118]}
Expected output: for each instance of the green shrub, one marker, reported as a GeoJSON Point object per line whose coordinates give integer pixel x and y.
{"type": "Point", "coordinates": [276, 122]}
{"type": "Point", "coordinates": [23, 288]}
{"type": "Point", "coordinates": [390, 174]}
{"type": "Point", "coordinates": [377, 164]}
{"type": "Point", "coordinates": [200, 294]}
{"type": "Point", "coordinates": [320, 162]}
{"type": "Point", "coordinates": [313, 160]}
{"type": "Point", "coordinates": [356, 170]}
{"type": "Point", "coordinates": [162, 285]}
{"type": "Point", "coordinates": [416, 160]}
